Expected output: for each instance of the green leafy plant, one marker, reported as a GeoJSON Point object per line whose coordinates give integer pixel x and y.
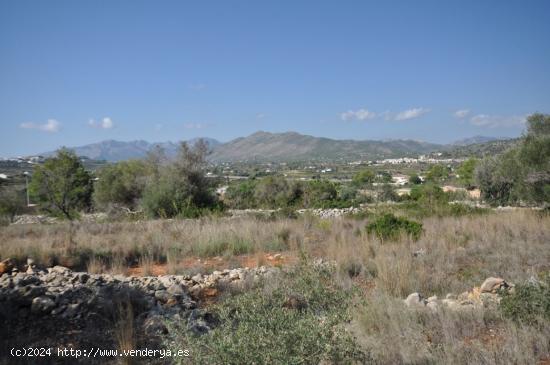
{"type": "Point", "coordinates": [528, 302]}
{"type": "Point", "coordinates": [297, 319]}
{"type": "Point", "coordinates": [389, 227]}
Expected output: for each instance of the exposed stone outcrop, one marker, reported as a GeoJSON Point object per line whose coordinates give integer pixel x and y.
{"type": "Point", "coordinates": [485, 296]}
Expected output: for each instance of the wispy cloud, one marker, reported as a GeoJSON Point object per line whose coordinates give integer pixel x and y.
{"type": "Point", "coordinates": [360, 114]}
{"type": "Point", "coordinates": [105, 123]}
{"type": "Point", "coordinates": [51, 126]}
{"type": "Point", "coordinates": [411, 113]}
{"type": "Point", "coordinates": [462, 113]}
{"type": "Point", "coordinates": [197, 87]}
{"type": "Point", "coordinates": [260, 116]}
{"type": "Point", "coordinates": [495, 121]}
{"type": "Point", "coordinates": [196, 125]}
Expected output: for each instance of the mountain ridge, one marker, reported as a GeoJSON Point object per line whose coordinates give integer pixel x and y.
{"type": "Point", "coordinates": [262, 146]}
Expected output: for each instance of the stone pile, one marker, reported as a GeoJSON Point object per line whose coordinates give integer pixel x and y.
{"type": "Point", "coordinates": [485, 296]}
{"type": "Point", "coordinates": [330, 213]}
{"type": "Point", "coordinates": [68, 295]}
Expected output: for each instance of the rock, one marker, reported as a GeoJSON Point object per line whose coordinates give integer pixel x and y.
{"type": "Point", "coordinates": [491, 285]}
{"type": "Point", "coordinates": [432, 299]}
{"type": "Point", "coordinates": [162, 296]}
{"type": "Point", "coordinates": [60, 270]}
{"type": "Point", "coordinates": [83, 277]}
{"type": "Point", "coordinates": [415, 300]}
{"type": "Point", "coordinates": [29, 292]}
{"type": "Point", "coordinates": [154, 326]}
{"type": "Point", "coordinates": [6, 266]}
{"type": "Point", "coordinates": [176, 290]}
{"type": "Point", "coordinates": [432, 305]}
{"type": "Point", "coordinates": [42, 305]}
{"type": "Point", "coordinates": [30, 261]}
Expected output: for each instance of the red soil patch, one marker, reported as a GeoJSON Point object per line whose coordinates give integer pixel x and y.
{"type": "Point", "coordinates": [219, 263]}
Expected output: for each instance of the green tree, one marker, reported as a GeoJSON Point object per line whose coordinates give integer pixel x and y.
{"type": "Point", "coordinates": [62, 186]}
{"type": "Point", "coordinates": [181, 187]}
{"type": "Point", "coordinates": [363, 178]}
{"type": "Point", "coordinates": [466, 172]}
{"type": "Point", "coordinates": [383, 177]}
{"type": "Point", "coordinates": [429, 194]}
{"type": "Point", "coordinates": [121, 184]}
{"type": "Point", "coordinates": [538, 124]}
{"type": "Point", "coordinates": [277, 192]}
{"type": "Point", "coordinates": [437, 173]}
{"type": "Point", "coordinates": [319, 193]}
{"type": "Point", "coordinates": [387, 193]}
{"type": "Point", "coordinates": [12, 202]}
{"type": "Point", "coordinates": [522, 173]}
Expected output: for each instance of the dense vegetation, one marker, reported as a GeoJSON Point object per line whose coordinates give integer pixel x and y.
{"type": "Point", "coordinates": [521, 175]}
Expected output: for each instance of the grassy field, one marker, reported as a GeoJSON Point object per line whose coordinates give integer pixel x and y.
{"type": "Point", "coordinates": [369, 277]}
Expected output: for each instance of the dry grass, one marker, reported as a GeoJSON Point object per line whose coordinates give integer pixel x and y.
{"type": "Point", "coordinates": [395, 335]}
{"type": "Point", "coordinates": [124, 331]}
{"type": "Point", "coordinates": [453, 255]}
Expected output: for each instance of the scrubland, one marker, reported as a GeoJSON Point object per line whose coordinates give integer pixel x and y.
{"type": "Point", "coordinates": [359, 298]}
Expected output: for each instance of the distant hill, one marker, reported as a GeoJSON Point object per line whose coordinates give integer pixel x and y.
{"type": "Point", "coordinates": [112, 151]}
{"type": "Point", "coordinates": [265, 146]}
{"type": "Point", "coordinates": [292, 146]}
{"type": "Point", "coordinates": [475, 140]}
{"type": "Point", "coordinates": [480, 150]}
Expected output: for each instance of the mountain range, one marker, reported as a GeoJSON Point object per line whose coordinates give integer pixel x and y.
{"type": "Point", "coordinates": [265, 146]}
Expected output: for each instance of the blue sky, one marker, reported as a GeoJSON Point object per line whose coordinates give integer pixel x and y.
{"type": "Point", "coordinates": [77, 72]}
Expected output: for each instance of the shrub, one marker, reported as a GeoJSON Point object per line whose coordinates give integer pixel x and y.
{"type": "Point", "coordinates": [528, 303]}
{"type": "Point", "coordinates": [12, 203]}
{"type": "Point", "coordinates": [181, 188]}
{"type": "Point", "coordinates": [298, 319]}
{"type": "Point", "coordinates": [319, 194]}
{"type": "Point", "coordinates": [121, 184]}
{"type": "Point", "coordinates": [363, 178]}
{"type": "Point", "coordinates": [429, 194]}
{"type": "Point", "coordinates": [390, 227]}
{"type": "Point", "coordinates": [241, 195]}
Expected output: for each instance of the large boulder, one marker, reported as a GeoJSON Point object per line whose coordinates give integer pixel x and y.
{"type": "Point", "coordinates": [492, 285]}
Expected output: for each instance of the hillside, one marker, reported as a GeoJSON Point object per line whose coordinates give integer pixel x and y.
{"type": "Point", "coordinates": [479, 150]}
{"type": "Point", "coordinates": [112, 151]}
{"type": "Point", "coordinates": [265, 146]}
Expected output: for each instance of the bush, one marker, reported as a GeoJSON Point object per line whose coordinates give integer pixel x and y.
{"type": "Point", "coordinates": [277, 192]}
{"type": "Point", "coordinates": [12, 203]}
{"type": "Point", "coordinates": [363, 178]}
{"type": "Point", "coordinates": [181, 188]}
{"type": "Point", "coordinates": [121, 184]}
{"type": "Point", "coordinates": [390, 227]}
{"type": "Point", "coordinates": [528, 303]}
{"type": "Point", "coordinates": [429, 194]}
{"type": "Point", "coordinates": [241, 195]}
{"type": "Point", "coordinates": [298, 319]}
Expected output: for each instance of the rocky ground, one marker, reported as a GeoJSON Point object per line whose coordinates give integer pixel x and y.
{"type": "Point", "coordinates": [59, 308]}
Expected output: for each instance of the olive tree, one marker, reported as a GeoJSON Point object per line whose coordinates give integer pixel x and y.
{"type": "Point", "coordinates": [62, 186]}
